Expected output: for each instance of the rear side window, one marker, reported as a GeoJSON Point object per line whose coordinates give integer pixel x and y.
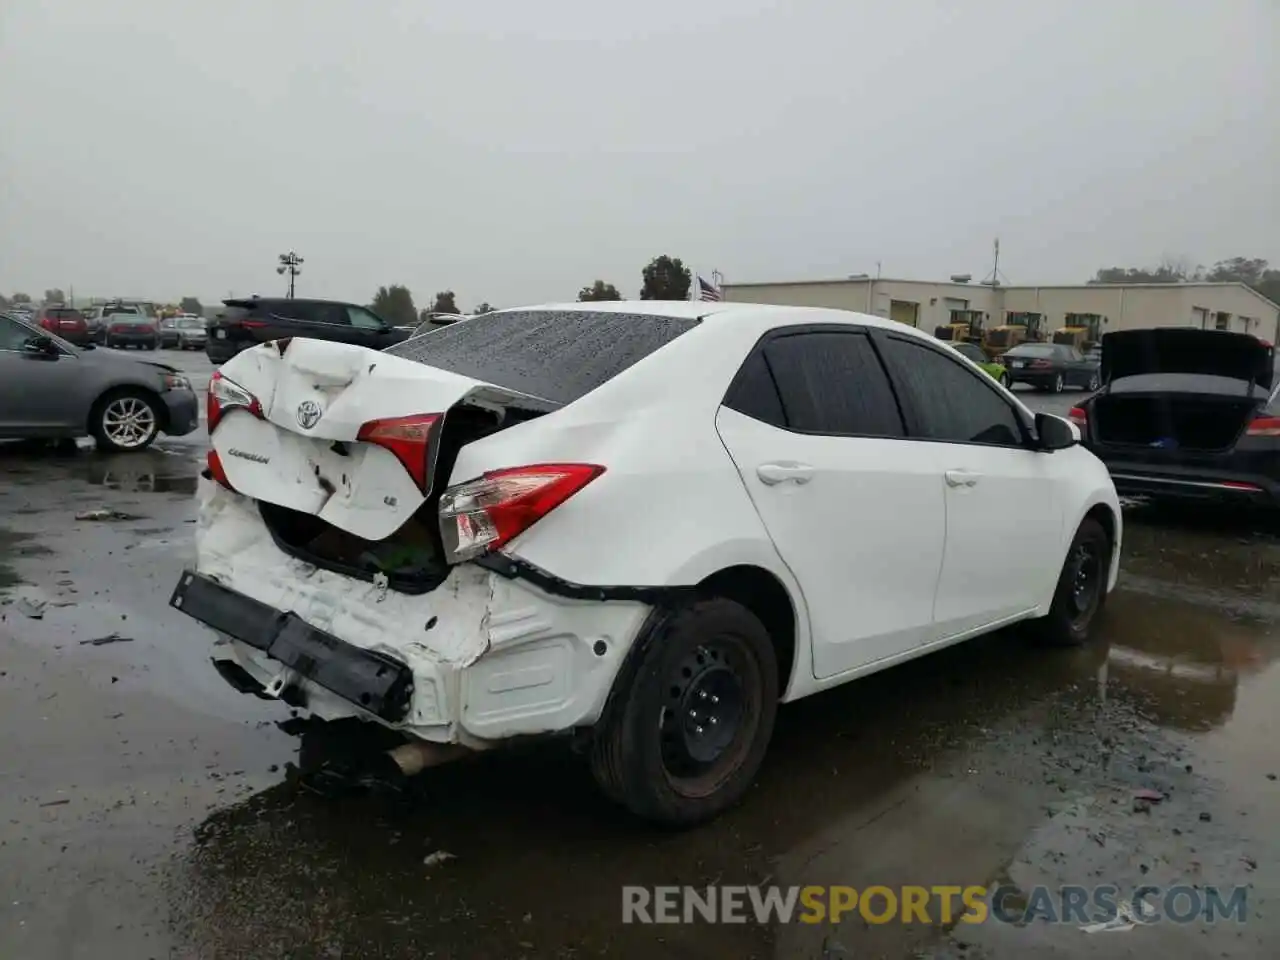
{"type": "Point", "coordinates": [754, 393]}
{"type": "Point", "coordinates": [833, 383]}
{"type": "Point", "coordinates": [951, 401]}
{"type": "Point", "coordinates": [556, 355]}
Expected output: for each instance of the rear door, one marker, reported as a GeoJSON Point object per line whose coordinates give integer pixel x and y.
{"type": "Point", "coordinates": [856, 512]}
{"type": "Point", "coordinates": [1003, 514]}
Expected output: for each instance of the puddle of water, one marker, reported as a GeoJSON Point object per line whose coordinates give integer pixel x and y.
{"type": "Point", "coordinates": [1182, 663]}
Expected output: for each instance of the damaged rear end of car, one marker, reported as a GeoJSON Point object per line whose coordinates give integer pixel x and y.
{"type": "Point", "coordinates": [1187, 414]}
{"type": "Point", "coordinates": [343, 566]}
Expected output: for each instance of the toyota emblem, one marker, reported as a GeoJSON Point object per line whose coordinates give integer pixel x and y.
{"type": "Point", "coordinates": [308, 414]}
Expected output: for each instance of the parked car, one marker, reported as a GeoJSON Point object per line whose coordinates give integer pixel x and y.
{"type": "Point", "coordinates": [255, 320]}
{"type": "Point", "coordinates": [1051, 366]}
{"type": "Point", "coordinates": [67, 322]}
{"type": "Point", "coordinates": [1187, 414]}
{"type": "Point", "coordinates": [995, 370]}
{"type": "Point", "coordinates": [98, 316]}
{"type": "Point", "coordinates": [643, 523]}
{"type": "Point", "coordinates": [193, 332]}
{"type": "Point", "coordinates": [185, 331]}
{"type": "Point", "coordinates": [49, 388]}
{"type": "Point", "coordinates": [128, 330]}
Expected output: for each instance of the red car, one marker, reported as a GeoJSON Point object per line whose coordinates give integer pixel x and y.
{"type": "Point", "coordinates": [66, 322]}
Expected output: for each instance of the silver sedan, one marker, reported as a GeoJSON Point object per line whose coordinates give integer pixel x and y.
{"type": "Point", "coordinates": [53, 390]}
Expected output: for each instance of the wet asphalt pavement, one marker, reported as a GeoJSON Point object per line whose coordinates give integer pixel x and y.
{"type": "Point", "coordinates": [150, 811]}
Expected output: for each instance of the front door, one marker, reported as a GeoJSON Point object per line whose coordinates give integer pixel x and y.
{"type": "Point", "coordinates": [855, 512]}
{"type": "Point", "coordinates": [38, 392]}
{"type": "Point", "coordinates": [1002, 504]}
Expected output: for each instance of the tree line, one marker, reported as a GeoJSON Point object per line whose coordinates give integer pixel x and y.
{"type": "Point", "coordinates": [663, 278]}
{"type": "Point", "coordinates": [1253, 272]}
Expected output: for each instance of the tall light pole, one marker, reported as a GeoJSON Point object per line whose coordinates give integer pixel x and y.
{"type": "Point", "coordinates": [291, 264]}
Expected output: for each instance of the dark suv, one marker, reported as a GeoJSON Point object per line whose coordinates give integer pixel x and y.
{"type": "Point", "coordinates": [247, 322]}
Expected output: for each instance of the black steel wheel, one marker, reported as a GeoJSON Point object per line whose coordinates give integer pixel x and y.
{"type": "Point", "coordinates": [1082, 588]}
{"type": "Point", "coordinates": [691, 714]}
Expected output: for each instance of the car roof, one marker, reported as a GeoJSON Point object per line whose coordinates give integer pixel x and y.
{"type": "Point", "coordinates": [726, 312]}
{"type": "Point", "coordinates": [261, 301]}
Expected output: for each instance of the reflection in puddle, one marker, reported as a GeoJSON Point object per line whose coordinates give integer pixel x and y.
{"type": "Point", "coordinates": [1183, 662]}
{"type": "Point", "coordinates": [141, 477]}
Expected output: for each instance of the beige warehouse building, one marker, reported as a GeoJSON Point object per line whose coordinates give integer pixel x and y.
{"type": "Point", "coordinates": [927, 305]}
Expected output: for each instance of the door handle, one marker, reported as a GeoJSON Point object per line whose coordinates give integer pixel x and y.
{"type": "Point", "coordinates": [961, 478]}
{"type": "Point", "coordinates": [782, 471]}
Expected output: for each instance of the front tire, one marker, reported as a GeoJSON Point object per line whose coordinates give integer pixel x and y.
{"type": "Point", "coordinates": [125, 421]}
{"type": "Point", "coordinates": [1005, 382]}
{"type": "Point", "coordinates": [1093, 383]}
{"type": "Point", "coordinates": [1058, 383]}
{"type": "Point", "coordinates": [1082, 589]}
{"type": "Point", "coordinates": [686, 728]}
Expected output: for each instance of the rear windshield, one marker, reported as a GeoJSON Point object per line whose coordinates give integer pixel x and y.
{"type": "Point", "coordinates": [556, 355]}
{"type": "Point", "coordinates": [1034, 350]}
{"type": "Point", "coordinates": [190, 323]}
{"type": "Point", "coordinates": [121, 311]}
{"type": "Point", "coordinates": [1186, 383]}
{"type": "Point", "coordinates": [66, 313]}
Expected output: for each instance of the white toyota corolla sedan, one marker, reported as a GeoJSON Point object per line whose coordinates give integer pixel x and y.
{"type": "Point", "coordinates": [644, 524]}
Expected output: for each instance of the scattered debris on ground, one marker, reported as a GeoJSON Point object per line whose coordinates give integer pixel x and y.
{"type": "Point", "coordinates": [109, 638]}
{"type": "Point", "coordinates": [105, 513]}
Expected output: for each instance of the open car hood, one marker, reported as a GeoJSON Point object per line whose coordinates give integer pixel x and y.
{"type": "Point", "coordinates": [1219, 353]}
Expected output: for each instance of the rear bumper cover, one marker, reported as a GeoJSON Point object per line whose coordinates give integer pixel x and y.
{"type": "Point", "coordinates": [1190, 483]}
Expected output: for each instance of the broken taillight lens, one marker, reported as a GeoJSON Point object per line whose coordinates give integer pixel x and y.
{"type": "Point", "coordinates": [1263, 427]}
{"type": "Point", "coordinates": [1079, 416]}
{"type": "Point", "coordinates": [481, 515]}
{"type": "Point", "coordinates": [409, 439]}
{"type": "Point", "coordinates": [226, 395]}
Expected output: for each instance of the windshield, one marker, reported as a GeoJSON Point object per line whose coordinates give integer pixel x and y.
{"type": "Point", "coordinates": [552, 354]}
{"type": "Point", "coordinates": [1033, 350]}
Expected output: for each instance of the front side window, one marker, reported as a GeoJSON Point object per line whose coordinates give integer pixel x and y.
{"type": "Point", "coordinates": [13, 334]}
{"type": "Point", "coordinates": [950, 401]}
{"type": "Point", "coordinates": [832, 382]}
{"type": "Point", "coordinates": [363, 319]}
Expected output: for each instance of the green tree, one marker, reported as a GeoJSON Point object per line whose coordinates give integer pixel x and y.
{"type": "Point", "coordinates": [666, 278]}
{"type": "Point", "coordinates": [21, 298]}
{"type": "Point", "coordinates": [55, 296]}
{"type": "Point", "coordinates": [445, 303]}
{"type": "Point", "coordinates": [1253, 271]}
{"type": "Point", "coordinates": [191, 305]}
{"type": "Point", "coordinates": [394, 304]}
{"type": "Point", "coordinates": [597, 292]}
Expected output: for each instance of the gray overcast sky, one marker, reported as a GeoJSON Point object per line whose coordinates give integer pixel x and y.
{"type": "Point", "coordinates": [514, 151]}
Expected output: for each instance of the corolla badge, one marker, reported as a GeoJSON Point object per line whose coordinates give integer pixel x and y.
{"type": "Point", "coordinates": [308, 414]}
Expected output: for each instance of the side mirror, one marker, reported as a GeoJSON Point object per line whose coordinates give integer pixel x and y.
{"type": "Point", "coordinates": [1054, 433]}
{"type": "Point", "coordinates": [40, 346]}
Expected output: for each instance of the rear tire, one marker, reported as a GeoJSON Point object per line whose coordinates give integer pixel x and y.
{"type": "Point", "coordinates": [1093, 383]}
{"type": "Point", "coordinates": [1004, 381]}
{"type": "Point", "coordinates": [1082, 589]}
{"type": "Point", "coordinates": [687, 725]}
{"type": "Point", "coordinates": [1057, 383]}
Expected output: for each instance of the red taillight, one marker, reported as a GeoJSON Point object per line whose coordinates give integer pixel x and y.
{"type": "Point", "coordinates": [215, 469]}
{"type": "Point", "coordinates": [1263, 427]}
{"type": "Point", "coordinates": [409, 439]}
{"type": "Point", "coordinates": [482, 515]}
{"type": "Point", "coordinates": [252, 324]}
{"type": "Point", "coordinates": [1041, 364]}
{"type": "Point", "coordinates": [1078, 415]}
{"type": "Point", "coordinates": [226, 395]}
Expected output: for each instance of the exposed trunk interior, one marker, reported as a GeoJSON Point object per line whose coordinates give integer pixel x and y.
{"type": "Point", "coordinates": [412, 558]}
{"type": "Point", "coordinates": [1182, 422]}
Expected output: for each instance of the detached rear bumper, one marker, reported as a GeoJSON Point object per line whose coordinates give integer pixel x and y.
{"type": "Point", "coordinates": [479, 659]}
{"type": "Point", "coordinates": [378, 683]}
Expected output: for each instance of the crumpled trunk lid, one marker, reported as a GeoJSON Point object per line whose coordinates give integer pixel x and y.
{"type": "Point", "coordinates": [304, 453]}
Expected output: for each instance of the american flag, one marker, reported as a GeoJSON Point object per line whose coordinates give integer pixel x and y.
{"type": "Point", "coordinates": [708, 291]}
